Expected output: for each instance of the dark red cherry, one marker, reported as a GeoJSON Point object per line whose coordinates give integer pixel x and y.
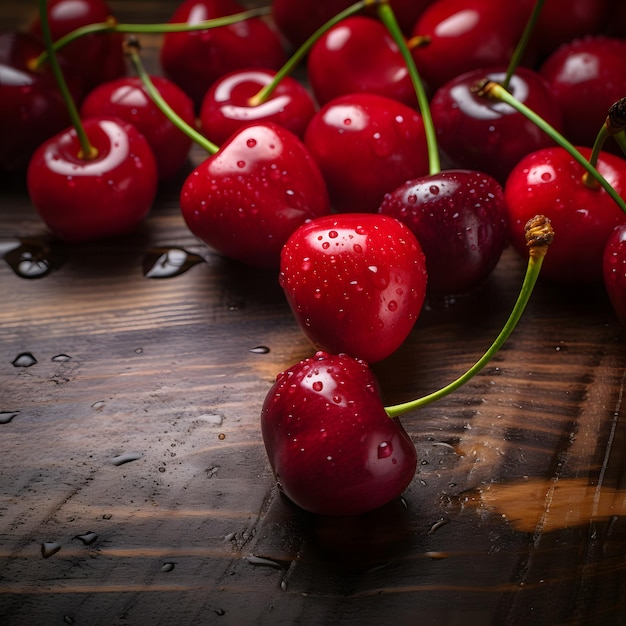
{"type": "Point", "coordinates": [355, 283]}
{"type": "Point", "coordinates": [550, 182]}
{"type": "Point", "coordinates": [247, 199]}
{"type": "Point", "coordinates": [459, 218]}
{"type": "Point", "coordinates": [228, 104]}
{"type": "Point", "coordinates": [463, 36]}
{"type": "Point", "coordinates": [82, 200]}
{"type": "Point", "coordinates": [358, 55]}
{"type": "Point", "coordinates": [31, 107]}
{"type": "Point", "coordinates": [194, 60]}
{"type": "Point", "coordinates": [127, 99]}
{"type": "Point", "coordinates": [586, 77]}
{"type": "Point", "coordinates": [477, 133]}
{"type": "Point", "coordinates": [366, 145]}
{"type": "Point", "coordinates": [332, 447]}
{"type": "Point", "coordinates": [96, 58]}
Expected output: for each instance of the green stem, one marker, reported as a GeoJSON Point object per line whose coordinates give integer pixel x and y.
{"type": "Point", "coordinates": [598, 144]}
{"type": "Point", "coordinates": [88, 151]}
{"type": "Point", "coordinates": [111, 26]}
{"type": "Point", "coordinates": [539, 235]}
{"type": "Point", "coordinates": [522, 44]}
{"type": "Point", "coordinates": [132, 48]}
{"type": "Point", "coordinates": [294, 60]}
{"type": "Point", "coordinates": [620, 138]}
{"type": "Point", "coordinates": [491, 89]}
{"type": "Point", "coordinates": [387, 16]}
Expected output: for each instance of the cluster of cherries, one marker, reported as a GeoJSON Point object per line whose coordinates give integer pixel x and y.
{"type": "Point", "coordinates": [338, 185]}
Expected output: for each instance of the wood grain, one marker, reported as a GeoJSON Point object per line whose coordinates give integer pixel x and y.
{"type": "Point", "coordinates": [516, 515]}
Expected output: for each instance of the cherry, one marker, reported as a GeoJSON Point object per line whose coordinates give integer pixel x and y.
{"type": "Point", "coordinates": [490, 136]}
{"type": "Point", "coordinates": [562, 21]}
{"type": "Point", "coordinates": [82, 199]}
{"type": "Point", "coordinates": [31, 106]}
{"type": "Point", "coordinates": [194, 60]}
{"type": "Point", "coordinates": [366, 145]}
{"type": "Point", "coordinates": [127, 99]}
{"type": "Point", "coordinates": [586, 77]}
{"type": "Point", "coordinates": [553, 182]}
{"type": "Point", "coordinates": [459, 218]}
{"type": "Point", "coordinates": [297, 21]}
{"type": "Point", "coordinates": [96, 58]}
{"type": "Point", "coordinates": [230, 104]}
{"type": "Point", "coordinates": [459, 36]}
{"type": "Point", "coordinates": [358, 55]}
{"type": "Point", "coordinates": [355, 283]}
{"type": "Point", "coordinates": [247, 199]}
{"type": "Point", "coordinates": [614, 270]}
{"type": "Point", "coordinates": [332, 447]}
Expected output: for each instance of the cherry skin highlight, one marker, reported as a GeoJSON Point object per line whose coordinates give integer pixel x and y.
{"type": "Point", "coordinates": [247, 199]}
{"type": "Point", "coordinates": [355, 283]}
{"type": "Point", "coordinates": [332, 447]}
{"type": "Point", "coordinates": [550, 182]}
{"type": "Point", "coordinates": [228, 104]}
{"type": "Point", "coordinates": [83, 200]}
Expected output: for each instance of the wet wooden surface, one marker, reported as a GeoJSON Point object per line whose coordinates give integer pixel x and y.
{"type": "Point", "coordinates": [134, 487]}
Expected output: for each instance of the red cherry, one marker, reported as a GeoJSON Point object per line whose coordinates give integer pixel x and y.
{"type": "Point", "coordinates": [332, 447]}
{"type": "Point", "coordinates": [31, 107]}
{"type": "Point", "coordinates": [464, 35]}
{"type": "Point", "coordinates": [96, 58]}
{"type": "Point", "coordinates": [614, 270]}
{"type": "Point", "coordinates": [227, 105]}
{"type": "Point", "coordinates": [477, 133]}
{"type": "Point", "coordinates": [586, 77]}
{"type": "Point", "coordinates": [127, 99]}
{"type": "Point", "coordinates": [355, 283]}
{"type": "Point", "coordinates": [562, 21]}
{"type": "Point", "coordinates": [550, 182]}
{"type": "Point", "coordinates": [194, 60]}
{"type": "Point", "coordinates": [247, 199]}
{"type": "Point", "coordinates": [82, 200]}
{"type": "Point", "coordinates": [459, 218]}
{"type": "Point", "coordinates": [366, 145]}
{"type": "Point", "coordinates": [358, 55]}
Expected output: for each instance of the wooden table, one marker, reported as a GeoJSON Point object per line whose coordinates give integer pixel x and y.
{"type": "Point", "coordinates": [134, 486]}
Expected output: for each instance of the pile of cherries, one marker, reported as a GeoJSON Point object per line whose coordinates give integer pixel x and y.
{"type": "Point", "coordinates": [335, 182]}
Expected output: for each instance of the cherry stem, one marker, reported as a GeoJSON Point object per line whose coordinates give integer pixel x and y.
{"type": "Point", "coordinates": [132, 49]}
{"type": "Point", "coordinates": [294, 60]}
{"type": "Point", "coordinates": [111, 26]}
{"type": "Point", "coordinates": [522, 44]}
{"type": "Point", "coordinates": [87, 150]}
{"type": "Point", "coordinates": [388, 18]}
{"type": "Point", "coordinates": [496, 91]}
{"type": "Point", "coordinates": [539, 235]}
{"type": "Point", "coordinates": [613, 126]}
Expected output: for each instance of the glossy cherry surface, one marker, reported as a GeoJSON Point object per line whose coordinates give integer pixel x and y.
{"type": "Point", "coordinates": [355, 283]}
{"type": "Point", "coordinates": [477, 133]}
{"type": "Point", "coordinates": [586, 77]}
{"type": "Point", "coordinates": [127, 99]}
{"type": "Point", "coordinates": [550, 182]}
{"type": "Point", "coordinates": [358, 55]}
{"type": "Point", "coordinates": [96, 58]}
{"type": "Point", "coordinates": [194, 60]}
{"type": "Point", "coordinates": [248, 198]}
{"type": "Point", "coordinates": [366, 145]}
{"type": "Point", "coordinates": [227, 105]}
{"type": "Point", "coordinates": [463, 36]}
{"type": "Point", "coordinates": [459, 218]}
{"type": "Point", "coordinates": [83, 200]}
{"type": "Point", "coordinates": [332, 447]}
